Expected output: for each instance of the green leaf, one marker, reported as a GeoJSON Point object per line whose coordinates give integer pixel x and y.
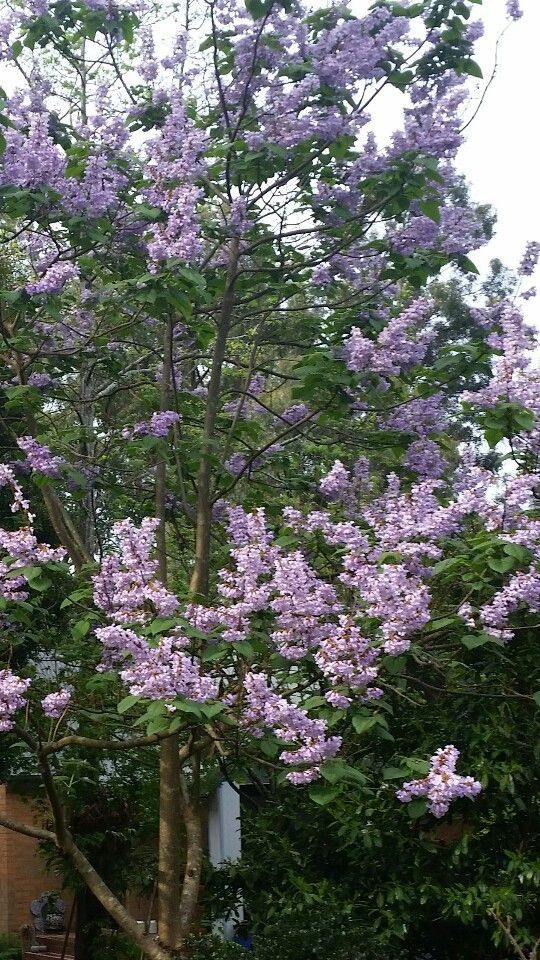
{"type": "Point", "coordinates": [394, 773]}
{"type": "Point", "coordinates": [466, 264]}
{"type": "Point", "coordinates": [439, 624]}
{"type": "Point", "coordinates": [313, 702]}
{"type": "Point", "coordinates": [517, 551]}
{"type": "Point", "coordinates": [127, 703]}
{"type": "Point", "coordinates": [187, 706]}
{"type": "Point", "coordinates": [431, 209]}
{"type": "Point", "coordinates": [449, 564]}
{"type": "Point", "coordinates": [160, 625]}
{"type": "Point", "coordinates": [417, 808]}
{"type": "Point", "coordinates": [211, 710]}
{"type": "Point", "coordinates": [503, 565]}
{"type": "Point", "coordinates": [420, 767]}
{"type": "Point", "coordinates": [362, 724]}
{"type": "Point", "coordinates": [536, 697]}
{"type": "Point", "coordinates": [322, 794]}
{"type": "Point", "coordinates": [336, 770]}
{"type": "Point", "coordinates": [472, 68]}
{"type": "Point", "coordinates": [40, 584]}
{"type": "Point", "coordinates": [257, 8]}
{"type": "Point", "coordinates": [286, 540]}
{"type": "Point", "coordinates": [524, 419]}
{"type": "Point", "coordinates": [214, 652]}
{"type": "Point", "coordinates": [244, 648]}
{"type": "Point", "coordinates": [473, 640]}
{"type": "Point", "coordinates": [80, 629]}
{"type": "Point", "coordinates": [159, 725]}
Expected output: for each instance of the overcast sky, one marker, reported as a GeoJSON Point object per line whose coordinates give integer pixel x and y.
{"type": "Point", "coordinates": [501, 153]}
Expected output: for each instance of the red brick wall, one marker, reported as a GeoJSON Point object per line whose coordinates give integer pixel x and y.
{"type": "Point", "coordinates": [23, 876]}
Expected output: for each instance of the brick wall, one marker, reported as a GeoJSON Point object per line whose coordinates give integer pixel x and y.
{"type": "Point", "coordinates": [23, 876]}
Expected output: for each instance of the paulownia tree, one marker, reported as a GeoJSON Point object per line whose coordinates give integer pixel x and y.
{"type": "Point", "coordinates": [221, 399]}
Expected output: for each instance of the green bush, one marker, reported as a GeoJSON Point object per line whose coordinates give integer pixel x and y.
{"type": "Point", "coordinates": [10, 947]}
{"type": "Point", "coordinates": [214, 948]}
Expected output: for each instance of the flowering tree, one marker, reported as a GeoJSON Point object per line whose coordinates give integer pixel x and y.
{"type": "Point", "coordinates": [226, 397]}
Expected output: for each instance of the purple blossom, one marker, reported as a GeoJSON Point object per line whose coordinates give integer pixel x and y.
{"type": "Point", "coordinates": [421, 415]}
{"type": "Point", "coordinates": [158, 426]}
{"type": "Point", "coordinates": [168, 671]}
{"type": "Point", "coordinates": [442, 784]}
{"type": "Point", "coordinates": [39, 380]}
{"type": "Point", "coordinates": [295, 413]}
{"type": "Point", "coordinates": [336, 485]}
{"type": "Point", "coordinates": [39, 457]}
{"type": "Point", "coordinates": [32, 159]}
{"type": "Point", "coordinates": [12, 697]}
{"type": "Point", "coordinates": [54, 279]}
{"type": "Point", "coordinates": [175, 162]}
{"type": "Point", "coordinates": [402, 344]}
{"type": "Point", "coordinates": [513, 9]}
{"type": "Point", "coordinates": [424, 457]}
{"type": "Point", "coordinates": [529, 260]}
{"type": "Point", "coordinates": [291, 724]}
{"type": "Point", "coordinates": [54, 704]}
{"type": "Point", "coordinates": [521, 588]}
{"type": "Point", "coordinates": [126, 587]}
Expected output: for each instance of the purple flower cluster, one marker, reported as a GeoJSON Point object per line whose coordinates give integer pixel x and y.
{"type": "Point", "coordinates": [521, 588]}
{"type": "Point", "coordinates": [336, 484]}
{"type": "Point", "coordinates": [174, 164]}
{"type": "Point", "coordinates": [295, 413]}
{"type": "Point", "coordinates": [39, 457]}
{"type": "Point", "coordinates": [513, 9]}
{"type": "Point", "coordinates": [40, 380]}
{"type": "Point", "coordinates": [127, 590]}
{"type": "Point", "coordinates": [21, 548]}
{"type": "Point", "coordinates": [12, 697]}
{"type": "Point", "coordinates": [54, 704]}
{"type": "Point", "coordinates": [54, 279]}
{"type": "Point", "coordinates": [516, 378]}
{"type": "Point", "coordinates": [265, 709]}
{"type": "Point", "coordinates": [424, 458]}
{"type": "Point", "coordinates": [442, 784]}
{"type": "Point", "coordinates": [422, 416]}
{"type": "Point", "coordinates": [402, 343]}
{"type": "Point", "coordinates": [158, 426]}
{"type": "Point", "coordinates": [168, 671]}
{"type": "Point", "coordinates": [126, 587]}
{"type": "Point", "coordinates": [529, 260]}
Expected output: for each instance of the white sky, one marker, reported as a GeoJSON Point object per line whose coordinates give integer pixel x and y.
{"type": "Point", "coordinates": [501, 154]}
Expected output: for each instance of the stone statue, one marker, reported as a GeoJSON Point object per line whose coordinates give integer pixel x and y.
{"type": "Point", "coordinates": [48, 912]}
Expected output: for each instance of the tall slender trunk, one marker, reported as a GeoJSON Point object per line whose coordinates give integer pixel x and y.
{"type": "Point", "coordinates": [170, 844]}
{"type": "Point", "coordinates": [170, 820]}
{"type": "Point", "coordinates": [200, 577]}
{"type": "Point", "coordinates": [191, 813]}
{"type": "Point", "coordinates": [88, 451]}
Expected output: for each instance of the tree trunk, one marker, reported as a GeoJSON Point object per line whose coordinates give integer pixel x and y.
{"type": "Point", "coordinates": [170, 822]}
{"type": "Point", "coordinates": [191, 812]}
{"type": "Point", "coordinates": [200, 577]}
{"type": "Point", "coordinates": [170, 844]}
{"type": "Point", "coordinates": [88, 452]}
